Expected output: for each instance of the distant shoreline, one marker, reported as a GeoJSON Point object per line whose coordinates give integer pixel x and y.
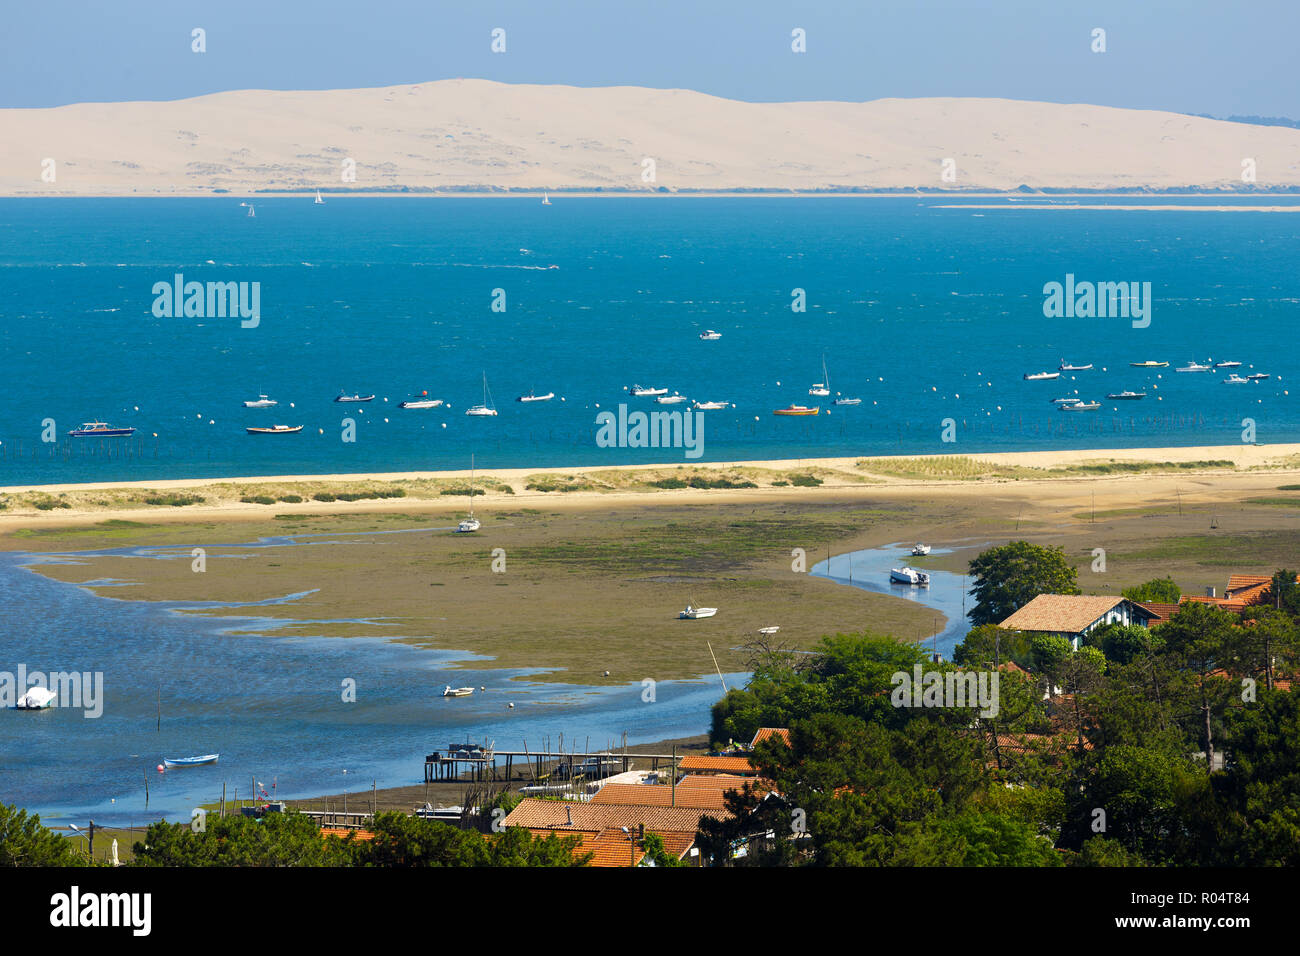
{"type": "Point", "coordinates": [1026, 200]}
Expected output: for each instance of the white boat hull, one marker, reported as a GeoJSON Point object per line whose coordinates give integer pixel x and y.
{"type": "Point", "coordinates": [697, 613]}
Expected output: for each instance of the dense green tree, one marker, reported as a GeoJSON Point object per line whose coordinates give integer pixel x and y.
{"type": "Point", "coordinates": [1099, 851]}
{"type": "Point", "coordinates": [1261, 785]}
{"type": "Point", "coordinates": [1010, 576]}
{"type": "Point", "coordinates": [1203, 639]}
{"type": "Point", "coordinates": [1122, 643]}
{"type": "Point", "coordinates": [1283, 593]}
{"type": "Point", "coordinates": [25, 842]}
{"type": "Point", "coordinates": [278, 839]}
{"type": "Point", "coordinates": [1157, 591]}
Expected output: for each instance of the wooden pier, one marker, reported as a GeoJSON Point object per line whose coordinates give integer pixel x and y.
{"type": "Point", "coordinates": [482, 763]}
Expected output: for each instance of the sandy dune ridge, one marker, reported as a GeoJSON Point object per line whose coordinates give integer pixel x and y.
{"type": "Point", "coordinates": [469, 134]}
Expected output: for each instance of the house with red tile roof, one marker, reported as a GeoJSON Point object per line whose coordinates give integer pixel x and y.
{"type": "Point", "coordinates": [767, 733]}
{"type": "Point", "coordinates": [732, 764]}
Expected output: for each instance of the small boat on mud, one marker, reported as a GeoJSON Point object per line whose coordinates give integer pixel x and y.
{"type": "Point", "coordinates": [694, 613]}
{"type": "Point", "coordinates": [921, 550]}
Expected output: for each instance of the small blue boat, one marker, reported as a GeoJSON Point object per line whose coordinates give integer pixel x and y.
{"type": "Point", "coordinates": [189, 761]}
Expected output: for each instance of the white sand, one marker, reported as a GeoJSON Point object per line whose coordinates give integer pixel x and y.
{"type": "Point", "coordinates": [488, 135]}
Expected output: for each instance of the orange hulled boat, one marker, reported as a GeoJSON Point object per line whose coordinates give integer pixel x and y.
{"type": "Point", "coordinates": [798, 410]}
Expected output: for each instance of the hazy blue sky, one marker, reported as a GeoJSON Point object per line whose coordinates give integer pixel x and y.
{"type": "Point", "coordinates": [1185, 55]}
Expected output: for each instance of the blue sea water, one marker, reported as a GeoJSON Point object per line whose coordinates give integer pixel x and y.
{"type": "Point", "coordinates": [924, 312]}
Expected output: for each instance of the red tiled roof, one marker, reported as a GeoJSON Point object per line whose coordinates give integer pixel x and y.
{"type": "Point", "coordinates": [534, 813]}
{"type": "Point", "coordinates": [705, 764]}
{"type": "Point", "coordinates": [766, 733]}
{"type": "Point", "coordinates": [1011, 667]}
{"type": "Point", "coordinates": [1162, 612]}
{"type": "Point", "coordinates": [342, 832]}
{"type": "Point", "coordinates": [1226, 603]}
{"type": "Point", "coordinates": [650, 795]}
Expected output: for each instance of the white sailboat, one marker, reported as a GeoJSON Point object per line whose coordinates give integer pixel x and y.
{"type": "Point", "coordinates": [546, 199]}
{"type": "Point", "coordinates": [487, 408]}
{"type": "Point", "coordinates": [823, 388]}
{"type": "Point", "coordinates": [471, 524]}
{"type": "Point", "coordinates": [251, 212]}
{"type": "Point", "coordinates": [319, 201]}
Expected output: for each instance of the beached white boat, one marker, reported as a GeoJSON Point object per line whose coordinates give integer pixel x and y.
{"type": "Point", "coordinates": [642, 391]}
{"type": "Point", "coordinates": [710, 406]}
{"type": "Point", "coordinates": [1066, 367]}
{"type": "Point", "coordinates": [1194, 367]}
{"type": "Point", "coordinates": [261, 402]}
{"type": "Point", "coordinates": [769, 630]}
{"type": "Point", "coordinates": [674, 399]}
{"type": "Point", "coordinates": [921, 549]}
{"type": "Point", "coordinates": [470, 524]}
{"type": "Point", "coordinates": [532, 396]}
{"type": "Point", "coordinates": [710, 336]}
{"type": "Point", "coordinates": [909, 576]}
{"type": "Point", "coordinates": [694, 613]}
{"type": "Point", "coordinates": [485, 409]}
{"type": "Point", "coordinates": [1236, 380]}
{"type": "Point", "coordinates": [1041, 376]}
{"type": "Point", "coordinates": [450, 691]}
{"type": "Point", "coordinates": [38, 698]}
{"type": "Point", "coordinates": [190, 761]}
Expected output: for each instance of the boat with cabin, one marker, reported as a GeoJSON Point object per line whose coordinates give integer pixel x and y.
{"type": "Point", "coordinates": [709, 406]}
{"type": "Point", "coordinates": [797, 410]}
{"type": "Point", "coordinates": [708, 335]}
{"type": "Point", "coordinates": [1227, 365]}
{"type": "Point", "coordinates": [909, 576]}
{"type": "Point", "coordinates": [261, 402]}
{"type": "Point", "coordinates": [532, 396]}
{"type": "Point", "coordinates": [694, 612]}
{"type": "Point", "coordinates": [1194, 367]}
{"type": "Point", "coordinates": [421, 401]}
{"type": "Point", "coordinates": [486, 408]}
{"type": "Point", "coordinates": [642, 391]}
{"type": "Point", "coordinates": [1080, 406]}
{"type": "Point", "coordinates": [344, 398]}
{"type": "Point", "coordinates": [100, 430]}
{"type": "Point", "coordinates": [921, 550]}
{"type": "Point", "coordinates": [36, 698]}
{"type": "Point", "coordinates": [1257, 376]}
{"type": "Point", "coordinates": [1125, 396]}
{"type": "Point", "coordinates": [1235, 379]}
{"type": "Point", "coordinates": [274, 430]}
{"type": "Point", "coordinates": [1148, 364]}
{"type": "Point", "coordinates": [1041, 376]}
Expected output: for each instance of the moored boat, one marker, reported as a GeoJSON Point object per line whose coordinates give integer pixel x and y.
{"type": "Point", "coordinates": [797, 410]}
{"type": "Point", "coordinates": [1066, 367]}
{"type": "Point", "coordinates": [190, 761]}
{"type": "Point", "coordinates": [261, 402]}
{"type": "Point", "coordinates": [1194, 367]}
{"type": "Point", "coordinates": [1227, 365]}
{"type": "Point", "coordinates": [709, 406]}
{"type": "Point", "coordinates": [1236, 380]}
{"type": "Point", "coordinates": [343, 397]}
{"type": "Point", "coordinates": [422, 401]}
{"type": "Point", "coordinates": [1257, 376]}
{"type": "Point", "coordinates": [532, 396]}
{"type": "Point", "coordinates": [1080, 406]}
{"type": "Point", "coordinates": [274, 430]}
{"type": "Point", "coordinates": [642, 391]}
{"type": "Point", "coordinates": [921, 549]}
{"type": "Point", "coordinates": [450, 691]}
{"type": "Point", "coordinates": [37, 698]}
{"type": "Point", "coordinates": [1041, 376]}
{"type": "Point", "coordinates": [1125, 396]}
{"type": "Point", "coordinates": [710, 336]}
{"type": "Point", "coordinates": [100, 430]}
{"type": "Point", "coordinates": [909, 576]}
{"type": "Point", "coordinates": [485, 409]}
{"type": "Point", "coordinates": [848, 401]}
{"type": "Point", "coordinates": [1149, 364]}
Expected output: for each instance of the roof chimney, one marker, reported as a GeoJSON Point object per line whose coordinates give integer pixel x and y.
{"type": "Point", "coordinates": [568, 813]}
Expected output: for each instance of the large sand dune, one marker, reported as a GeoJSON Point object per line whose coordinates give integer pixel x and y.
{"type": "Point", "coordinates": [483, 135]}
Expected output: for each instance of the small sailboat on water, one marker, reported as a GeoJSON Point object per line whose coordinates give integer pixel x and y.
{"type": "Point", "coordinates": [487, 408]}
{"type": "Point", "coordinates": [546, 199]}
{"type": "Point", "coordinates": [319, 201]}
{"type": "Point", "coordinates": [823, 388]}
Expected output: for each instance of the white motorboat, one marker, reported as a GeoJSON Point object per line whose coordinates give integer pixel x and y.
{"type": "Point", "coordinates": [769, 630]}
{"type": "Point", "coordinates": [1125, 396]}
{"type": "Point", "coordinates": [694, 613]}
{"type": "Point", "coordinates": [909, 576]}
{"type": "Point", "coordinates": [422, 401]}
{"type": "Point", "coordinates": [1080, 406]}
{"type": "Point", "coordinates": [261, 402]}
{"type": "Point", "coordinates": [1257, 376]}
{"type": "Point", "coordinates": [450, 691]}
{"type": "Point", "coordinates": [1041, 376]}
{"type": "Point", "coordinates": [848, 401]}
{"type": "Point", "coordinates": [710, 406]}
{"type": "Point", "coordinates": [38, 698]}
{"type": "Point", "coordinates": [274, 430]}
{"type": "Point", "coordinates": [1066, 401]}
{"type": "Point", "coordinates": [642, 391]}
{"type": "Point", "coordinates": [532, 396]}
{"type": "Point", "coordinates": [1066, 367]}
{"type": "Point", "coordinates": [1194, 367]}
{"type": "Point", "coordinates": [1227, 365]}
{"type": "Point", "coordinates": [1236, 380]}
{"type": "Point", "coordinates": [673, 399]}
{"type": "Point", "coordinates": [921, 549]}
{"type": "Point", "coordinates": [487, 408]}
{"type": "Point", "coordinates": [710, 336]}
